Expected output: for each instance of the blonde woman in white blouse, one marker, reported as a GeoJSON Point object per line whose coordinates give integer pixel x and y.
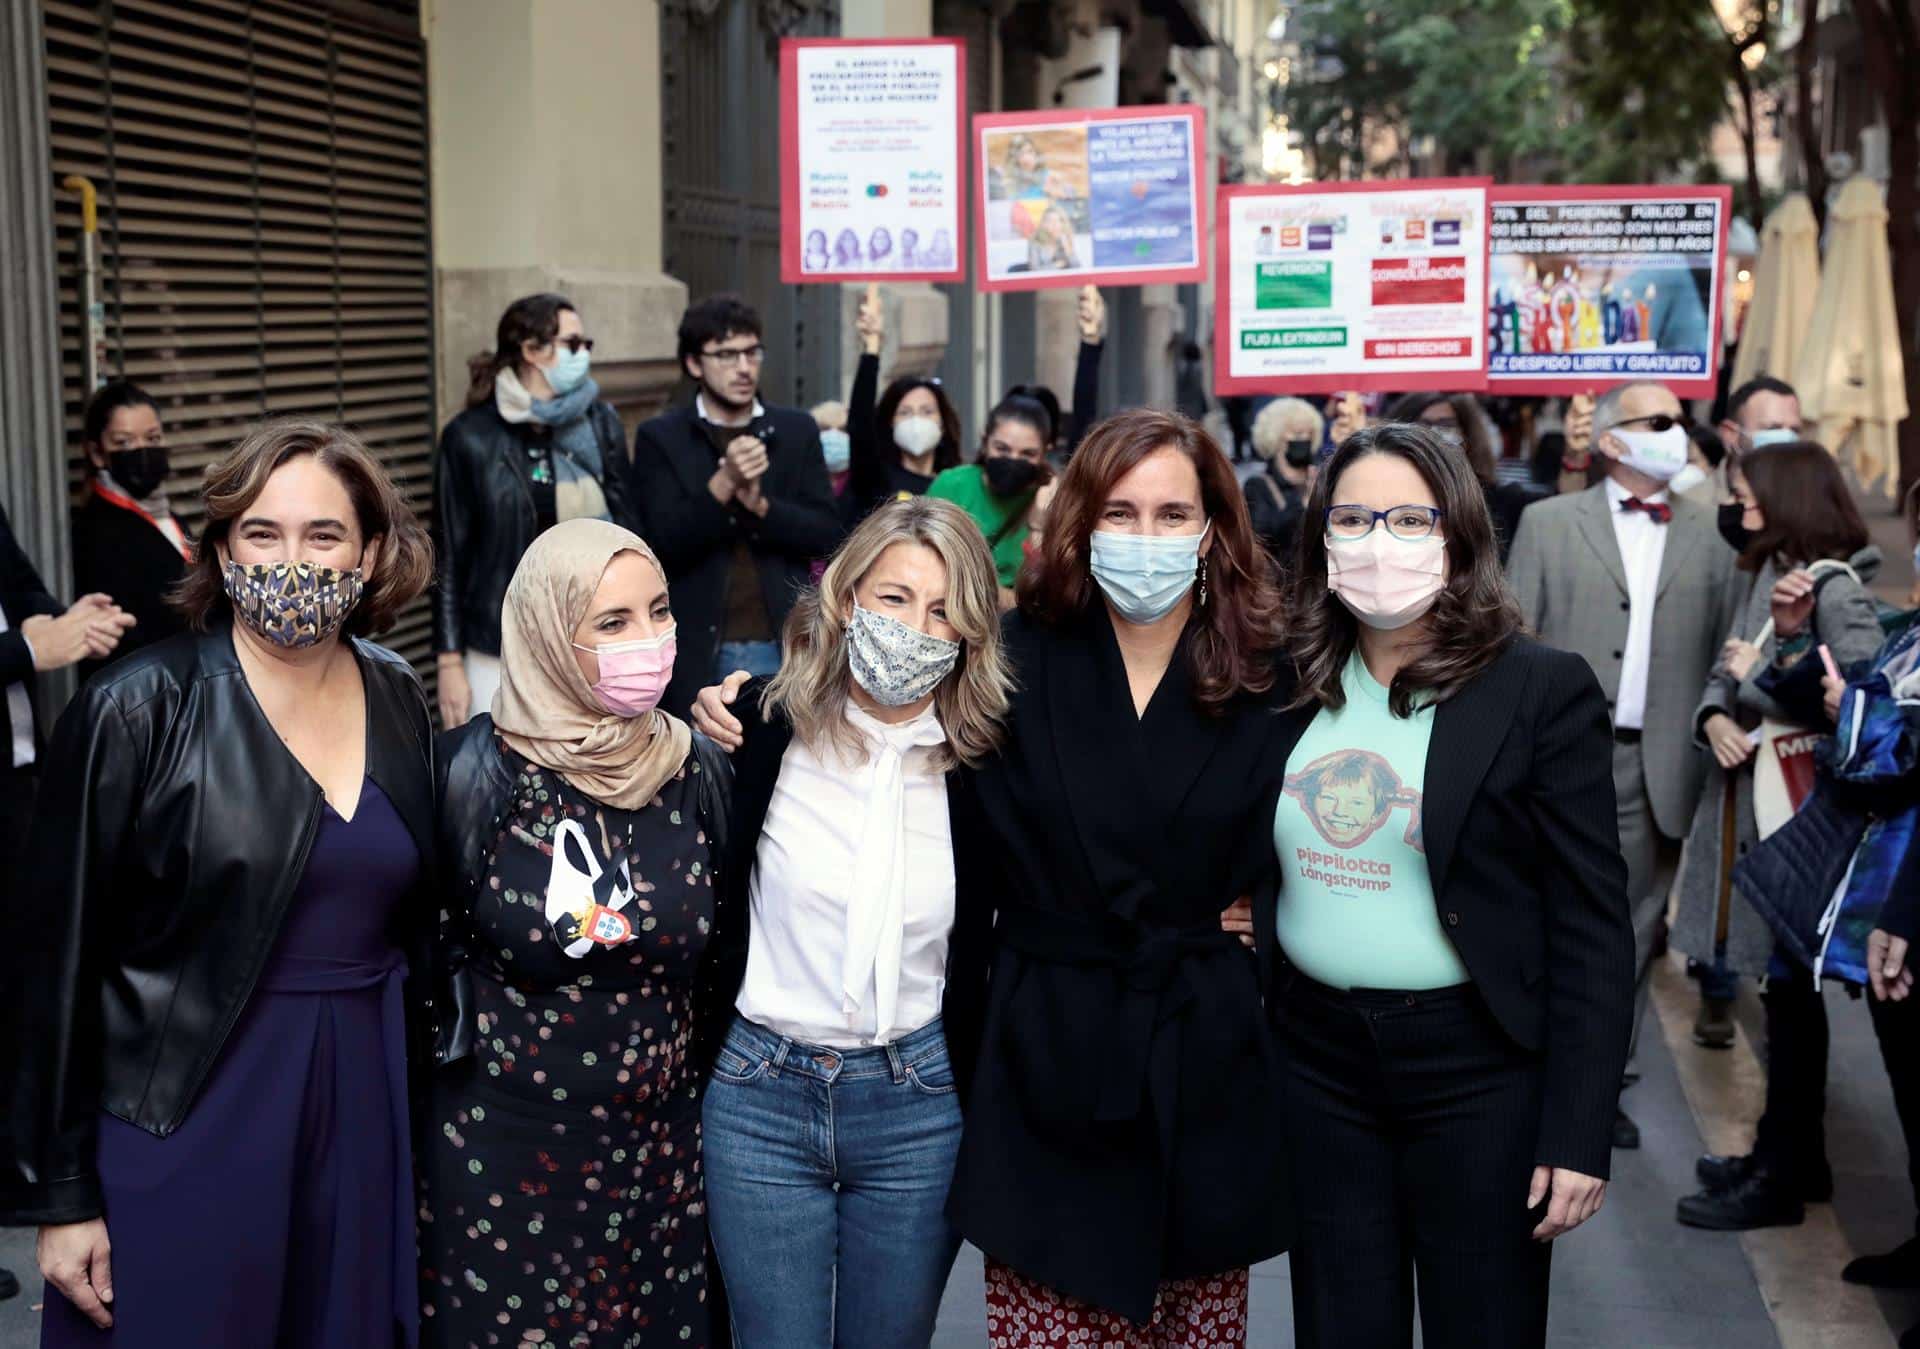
{"type": "Point", "coordinates": [854, 988]}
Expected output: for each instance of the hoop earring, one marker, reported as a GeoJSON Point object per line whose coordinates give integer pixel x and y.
{"type": "Point", "coordinates": [1203, 583]}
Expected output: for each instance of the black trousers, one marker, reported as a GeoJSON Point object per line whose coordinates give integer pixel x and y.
{"type": "Point", "coordinates": [1412, 1124]}
{"type": "Point", "coordinates": [1897, 1026]}
{"type": "Point", "coordinates": [17, 790]}
{"type": "Point", "coordinates": [1791, 1139]}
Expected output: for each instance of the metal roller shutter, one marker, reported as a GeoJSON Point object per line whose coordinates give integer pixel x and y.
{"type": "Point", "coordinates": [264, 226]}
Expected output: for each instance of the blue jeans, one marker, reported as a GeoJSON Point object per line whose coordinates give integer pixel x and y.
{"type": "Point", "coordinates": [827, 1174]}
{"type": "Point", "coordinates": [756, 658]}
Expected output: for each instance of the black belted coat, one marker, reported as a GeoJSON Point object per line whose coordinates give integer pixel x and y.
{"type": "Point", "coordinates": [1124, 1126]}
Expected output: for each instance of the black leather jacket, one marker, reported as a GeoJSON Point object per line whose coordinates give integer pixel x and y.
{"type": "Point", "coordinates": [474, 788]}
{"type": "Point", "coordinates": [173, 828]}
{"type": "Point", "coordinates": [484, 516]}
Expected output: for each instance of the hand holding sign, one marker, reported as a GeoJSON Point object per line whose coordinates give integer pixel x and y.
{"type": "Point", "coordinates": [871, 322]}
{"type": "Point", "coordinates": [1093, 316]}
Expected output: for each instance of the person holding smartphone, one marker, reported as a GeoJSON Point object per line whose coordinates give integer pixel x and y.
{"type": "Point", "coordinates": [1287, 434]}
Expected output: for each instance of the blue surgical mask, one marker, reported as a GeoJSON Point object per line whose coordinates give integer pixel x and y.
{"type": "Point", "coordinates": [1773, 435]}
{"type": "Point", "coordinates": [569, 370]}
{"type": "Point", "coordinates": [836, 447]}
{"type": "Point", "coordinates": [1144, 576]}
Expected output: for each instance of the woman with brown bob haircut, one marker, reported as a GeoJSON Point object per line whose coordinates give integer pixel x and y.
{"type": "Point", "coordinates": [1117, 1165]}
{"type": "Point", "coordinates": [223, 971]}
{"type": "Point", "coordinates": [1452, 998]}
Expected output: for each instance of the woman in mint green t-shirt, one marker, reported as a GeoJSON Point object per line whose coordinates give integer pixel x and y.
{"type": "Point", "coordinates": [1450, 946]}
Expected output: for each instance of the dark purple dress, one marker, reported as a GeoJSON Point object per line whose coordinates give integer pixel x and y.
{"type": "Point", "coordinates": [280, 1213]}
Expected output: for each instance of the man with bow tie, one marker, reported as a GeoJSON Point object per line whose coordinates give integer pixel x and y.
{"type": "Point", "coordinates": [1638, 582]}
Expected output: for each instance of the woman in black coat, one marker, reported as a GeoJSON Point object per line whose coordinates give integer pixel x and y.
{"type": "Point", "coordinates": [1451, 955]}
{"type": "Point", "coordinates": [1120, 1163]}
{"type": "Point", "coordinates": [535, 446]}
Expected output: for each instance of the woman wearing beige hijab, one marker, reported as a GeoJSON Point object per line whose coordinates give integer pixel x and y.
{"type": "Point", "coordinates": [579, 827]}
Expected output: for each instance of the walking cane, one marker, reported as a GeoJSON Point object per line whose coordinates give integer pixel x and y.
{"type": "Point", "coordinates": [1729, 845]}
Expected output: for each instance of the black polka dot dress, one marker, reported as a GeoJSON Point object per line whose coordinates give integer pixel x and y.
{"type": "Point", "coordinates": [564, 1202]}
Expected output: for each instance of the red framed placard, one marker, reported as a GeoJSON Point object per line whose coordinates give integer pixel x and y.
{"type": "Point", "coordinates": [1303, 261]}
{"type": "Point", "coordinates": [1089, 196]}
{"type": "Point", "coordinates": [1569, 263]}
{"type": "Point", "coordinates": [852, 183]}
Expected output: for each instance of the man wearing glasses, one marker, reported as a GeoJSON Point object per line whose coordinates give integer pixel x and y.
{"type": "Point", "coordinates": [1637, 581]}
{"type": "Point", "coordinates": [735, 500]}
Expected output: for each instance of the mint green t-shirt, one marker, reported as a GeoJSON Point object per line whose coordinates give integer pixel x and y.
{"type": "Point", "coordinates": [966, 487]}
{"type": "Point", "coordinates": [1356, 901]}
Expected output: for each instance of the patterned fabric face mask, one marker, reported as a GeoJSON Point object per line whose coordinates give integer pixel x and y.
{"type": "Point", "coordinates": [292, 604]}
{"type": "Point", "coordinates": [894, 663]}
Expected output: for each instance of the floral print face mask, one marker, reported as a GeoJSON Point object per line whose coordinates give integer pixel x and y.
{"type": "Point", "coordinates": [292, 604]}
{"type": "Point", "coordinates": [894, 663]}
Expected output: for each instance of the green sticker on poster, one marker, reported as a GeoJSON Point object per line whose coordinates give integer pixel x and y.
{"type": "Point", "coordinates": [1273, 339]}
{"type": "Point", "coordinates": [1293, 285]}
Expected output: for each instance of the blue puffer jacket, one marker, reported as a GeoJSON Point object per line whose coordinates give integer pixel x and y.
{"type": "Point", "coordinates": [1850, 860]}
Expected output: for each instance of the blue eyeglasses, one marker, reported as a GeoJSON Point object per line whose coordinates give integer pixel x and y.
{"type": "Point", "coordinates": [1410, 524]}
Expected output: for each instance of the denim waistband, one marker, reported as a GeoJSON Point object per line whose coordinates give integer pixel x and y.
{"type": "Point", "coordinates": [784, 1054]}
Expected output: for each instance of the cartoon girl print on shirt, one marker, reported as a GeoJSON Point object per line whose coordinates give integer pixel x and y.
{"type": "Point", "coordinates": [1350, 793]}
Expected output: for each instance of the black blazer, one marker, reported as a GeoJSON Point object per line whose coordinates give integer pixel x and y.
{"type": "Point", "coordinates": [1124, 1125]}
{"type": "Point", "coordinates": [171, 831]}
{"type": "Point", "coordinates": [695, 535]}
{"type": "Point", "coordinates": [756, 771]}
{"type": "Point", "coordinates": [1524, 853]}
{"type": "Point", "coordinates": [118, 553]}
{"type": "Point", "coordinates": [23, 595]}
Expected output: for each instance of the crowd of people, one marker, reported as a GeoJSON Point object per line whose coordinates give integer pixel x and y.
{"type": "Point", "coordinates": [846, 836]}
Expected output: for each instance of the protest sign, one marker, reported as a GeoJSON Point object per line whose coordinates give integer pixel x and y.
{"type": "Point", "coordinates": [1365, 286]}
{"type": "Point", "coordinates": [873, 144]}
{"type": "Point", "coordinates": [1593, 286]}
{"type": "Point", "coordinates": [1073, 197]}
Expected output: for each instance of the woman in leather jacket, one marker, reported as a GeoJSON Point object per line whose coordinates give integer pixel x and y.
{"type": "Point", "coordinates": [212, 988]}
{"type": "Point", "coordinates": [535, 446]}
{"type": "Point", "coordinates": [581, 828]}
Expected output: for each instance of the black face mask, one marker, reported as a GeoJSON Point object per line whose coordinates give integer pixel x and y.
{"type": "Point", "coordinates": [1008, 476]}
{"type": "Point", "coordinates": [1737, 535]}
{"type": "Point", "coordinates": [140, 471]}
{"type": "Point", "coordinates": [1300, 453]}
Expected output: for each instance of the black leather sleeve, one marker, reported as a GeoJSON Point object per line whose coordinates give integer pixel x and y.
{"type": "Point", "coordinates": [452, 517]}
{"type": "Point", "coordinates": [616, 479]}
{"type": "Point", "coordinates": [51, 1053]}
{"type": "Point", "coordinates": [471, 792]}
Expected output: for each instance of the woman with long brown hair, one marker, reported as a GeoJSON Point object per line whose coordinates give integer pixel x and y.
{"type": "Point", "coordinates": [1119, 1166]}
{"type": "Point", "coordinates": [219, 957]}
{"type": "Point", "coordinates": [1451, 957]}
{"type": "Point", "coordinates": [1803, 544]}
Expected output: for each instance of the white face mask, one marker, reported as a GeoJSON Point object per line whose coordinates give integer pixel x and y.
{"type": "Point", "coordinates": [1688, 478]}
{"type": "Point", "coordinates": [1658, 454]}
{"type": "Point", "coordinates": [917, 435]}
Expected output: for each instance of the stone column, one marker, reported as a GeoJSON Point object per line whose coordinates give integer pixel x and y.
{"type": "Point", "coordinates": [546, 177]}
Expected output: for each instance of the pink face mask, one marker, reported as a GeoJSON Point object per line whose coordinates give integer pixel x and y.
{"type": "Point", "coordinates": [633, 675]}
{"type": "Point", "coordinates": [1387, 582]}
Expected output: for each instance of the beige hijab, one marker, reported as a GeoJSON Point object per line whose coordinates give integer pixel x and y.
{"type": "Point", "coordinates": [545, 709]}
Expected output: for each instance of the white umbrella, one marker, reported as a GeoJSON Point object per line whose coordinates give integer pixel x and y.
{"type": "Point", "coordinates": [1784, 282]}
{"type": "Point", "coordinates": [1849, 374]}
